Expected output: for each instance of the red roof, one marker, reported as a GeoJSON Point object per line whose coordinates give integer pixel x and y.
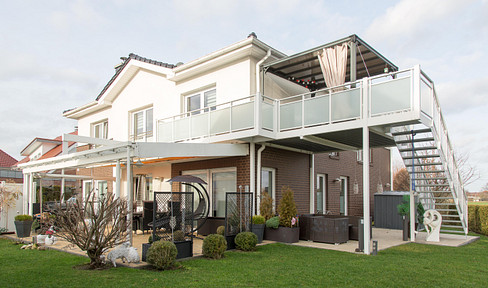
{"type": "Point", "coordinates": [53, 152]}
{"type": "Point", "coordinates": [6, 160]}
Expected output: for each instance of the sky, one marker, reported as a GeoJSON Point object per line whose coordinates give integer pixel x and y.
{"type": "Point", "coordinates": [57, 55]}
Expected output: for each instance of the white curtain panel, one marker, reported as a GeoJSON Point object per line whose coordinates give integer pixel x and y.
{"type": "Point", "coordinates": [333, 62]}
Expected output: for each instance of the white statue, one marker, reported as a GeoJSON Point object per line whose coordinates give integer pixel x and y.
{"type": "Point", "coordinates": [47, 239]}
{"type": "Point", "coordinates": [124, 251]}
{"type": "Point", "coordinates": [432, 222]}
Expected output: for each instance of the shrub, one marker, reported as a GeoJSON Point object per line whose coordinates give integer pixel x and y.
{"type": "Point", "coordinates": [246, 241]}
{"type": "Point", "coordinates": [273, 222]}
{"type": "Point", "coordinates": [287, 208]}
{"type": "Point", "coordinates": [258, 219]}
{"type": "Point", "coordinates": [162, 254]}
{"type": "Point", "coordinates": [23, 217]}
{"type": "Point", "coordinates": [214, 246]}
{"type": "Point", "coordinates": [221, 230]}
{"type": "Point", "coordinates": [478, 219]}
{"type": "Point", "coordinates": [150, 239]}
{"type": "Point", "coordinates": [178, 235]}
{"type": "Point", "coordinates": [266, 206]}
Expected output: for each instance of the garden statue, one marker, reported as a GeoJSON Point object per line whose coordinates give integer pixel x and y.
{"type": "Point", "coordinates": [47, 239]}
{"type": "Point", "coordinates": [432, 222]}
{"type": "Point", "coordinates": [124, 251]}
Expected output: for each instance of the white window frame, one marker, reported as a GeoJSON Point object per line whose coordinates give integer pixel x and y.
{"type": "Point", "coordinates": [202, 106]}
{"type": "Point", "coordinates": [324, 195]}
{"type": "Point", "coordinates": [145, 136]}
{"type": "Point", "coordinates": [359, 156]}
{"type": "Point", "coordinates": [103, 125]}
{"type": "Point", "coordinates": [343, 179]}
{"type": "Point", "coordinates": [273, 184]}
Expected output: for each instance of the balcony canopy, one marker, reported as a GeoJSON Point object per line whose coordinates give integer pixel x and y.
{"type": "Point", "coordinates": [305, 65]}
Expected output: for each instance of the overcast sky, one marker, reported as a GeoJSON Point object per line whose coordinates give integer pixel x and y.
{"type": "Point", "coordinates": [57, 55]}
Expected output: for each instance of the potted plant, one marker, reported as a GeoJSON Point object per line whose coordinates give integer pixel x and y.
{"type": "Point", "coordinates": [23, 224]}
{"type": "Point", "coordinates": [184, 246]}
{"type": "Point", "coordinates": [404, 211]}
{"type": "Point", "coordinates": [288, 230]}
{"type": "Point", "coordinates": [258, 223]}
{"type": "Point", "coordinates": [146, 246]}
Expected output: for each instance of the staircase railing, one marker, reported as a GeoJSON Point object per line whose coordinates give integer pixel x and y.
{"type": "Point", "coordinates": [443, 142]}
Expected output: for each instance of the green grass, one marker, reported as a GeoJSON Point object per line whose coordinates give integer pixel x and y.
{"type": "Point", "coordinates": [478, 203]}
{"type": "Point", "coordinates": [274, 265]}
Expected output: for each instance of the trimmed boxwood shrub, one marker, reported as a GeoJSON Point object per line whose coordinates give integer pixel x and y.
{"type": "Point", "coordinates": [478, 218]}
{"type": "Point", "coordinates": [258, 219]}
{"type": "Point", "coordinates": [273, 222]}
{"type": "Point", "coordinates": [221, 230]}
{"type": "Point", "coordinates": [214, 246]}
{"type": "Point", "coordinates": [23, 217]}
{"type": "Point", "coordinates": [162, 254]}
{"type": "Point", "coordinates": [150, 239]}
{"type": "Point", "coordinates": [246, 241]}
{"type": "Point", "coordinates": [178, 235]}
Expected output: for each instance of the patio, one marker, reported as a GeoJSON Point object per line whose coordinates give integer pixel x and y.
{"type": "Point", "coordinates": [386, 238]}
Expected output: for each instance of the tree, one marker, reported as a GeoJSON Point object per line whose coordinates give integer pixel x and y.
{"type": "Point", "coordinates": [266, 206]}
{"type": "Point", "coordinates": [94, 226]}
{"type": "Point", "coordinates": [7, 200]}
{"type": "Point", "coordinates": [484, 188]}
{"type": "Point", "coordinates": [401, 180]}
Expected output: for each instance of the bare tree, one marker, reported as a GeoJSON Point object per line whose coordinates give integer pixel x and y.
{"type": "Point", "coordinates": [94, 226]}
{"type": "Point", "coordinates": [401, 180]}
{"type": "Point", "coordinates": [468, 173]}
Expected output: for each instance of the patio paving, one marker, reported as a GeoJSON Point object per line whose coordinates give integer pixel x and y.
{"type": "Point", "coordinates": [386, 238]}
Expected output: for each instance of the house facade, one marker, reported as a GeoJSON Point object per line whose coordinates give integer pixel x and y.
{"type": "Point", "coordinates": [250, 118]}
{"type": "Point", "coordinates": [6, 171]}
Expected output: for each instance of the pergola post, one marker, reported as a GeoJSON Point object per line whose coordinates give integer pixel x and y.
{"type": "Point", "coordinates": [29, 207]}
{"type": "Point", "coordinates": [366, 208]}
{"type": "Point", "coordinates": [117, 179]}
{"type": "Point", "coordinates": [129, 195]}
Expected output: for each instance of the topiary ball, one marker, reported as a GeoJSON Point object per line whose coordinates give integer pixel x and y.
{"type": "Point", "coordinates": [273, 222]}
{"type": "Point", "coordinates": [178, 235]}
{"type": "Point", "coordinates": [162, 254]}
{"type": "Point", "coordinates": [214, 246]}
{"type": "Point", "coordinates": [221, 230]}
{"type": "Point", "coordinates": [246, 241]}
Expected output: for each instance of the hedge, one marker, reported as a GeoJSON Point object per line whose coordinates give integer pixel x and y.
{"type": "Point", "coordinates": [478, 219]}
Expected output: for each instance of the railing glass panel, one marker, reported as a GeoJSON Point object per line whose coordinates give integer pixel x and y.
{"type": "Point", "coordinates": [391, 96]}
{"type": "Point", "coordinates": [243, 116]}
{"type": "Point", "coordinates": [267, 115]}
{"type": "Point", "coordinates": [426, 98]}
{"type": "Point", "coordinates": [199, 125]}
{"type": "Point", "coordinates": [220, 121]}
{"type": "Point", "coordinates": [346, 104]}
{"type": "Point", "coordinates": [291, 115]}
{"type": "Point", "coordinates": [316, 110]}
{"type": "Point", "coordinates": [165, 131]}
{"type": "Point", "coordinates": [182, 131]}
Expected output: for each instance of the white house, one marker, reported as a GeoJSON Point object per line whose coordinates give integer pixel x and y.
{"type": "Point", "coordinates": [250, 116]}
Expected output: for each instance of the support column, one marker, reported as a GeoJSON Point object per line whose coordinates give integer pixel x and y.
{"type": "Point", "coordinates": [62, 186]}
{"type": "Point", "coordinates": [312, 184]}
{"type": "Point", "coordinates": [25, 194]}
{"type": "Point", "coordinates": [129, 195]}
{"type": "Point", "coordinates": [117, 179]}
{"type": "Point", "coordinates": [29, 208]}
{"type": "Point", "coordinates": [252, 176]}
{"type": "Point", "coordinates": [366, 208]}
{"type": "Point", "coordinates": [40, 194]}
{"type": "Point", "coordinates": [352, 63]}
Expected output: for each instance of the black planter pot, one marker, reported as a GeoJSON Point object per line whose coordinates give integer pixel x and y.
{"type": "Point", "coordinates": [406, 228]}
{"type": "Point", "coordinates": [230, 242]}
{"type": "Point", "coordinates": [282, 234]}
{"type": "Point", "coordinates": [258, 229]}
{"type": "Point", "coordinates": [23, 228]}
{"type": "Point", "coordinates": [145, 248]}
{"type": "Point", "coordinates": [185, 249]}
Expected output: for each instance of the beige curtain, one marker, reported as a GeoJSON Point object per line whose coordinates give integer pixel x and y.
{"type": "Point", "coordinates": [333, 62]}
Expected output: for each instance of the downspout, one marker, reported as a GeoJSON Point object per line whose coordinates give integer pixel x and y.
{"type": "Point", "coordinates": [258, 181]}
{"type": "Point", "coordinates": [258, 86]}
{"type": "Point", "coordinates": [252, 171]}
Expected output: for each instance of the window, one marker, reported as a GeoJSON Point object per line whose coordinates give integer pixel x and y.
{"type": "Point", "coordinates": [142, 125]}
{"type": "Point", "coordinates": [100, 130]}
{"type": "Point", "coordinates": [268, 183]}
{"type": "Point", "coordinates": [359, 154]}
{"type": "Point", "coordinates": [321, 195]}
{"type": "Point", "coordinates": [343, 195]}
{"type": "Point", "coordinates": [201, 100]}
{"type": "Point", "coordinates": [334, 155]}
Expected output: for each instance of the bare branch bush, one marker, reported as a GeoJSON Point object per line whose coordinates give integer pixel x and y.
{"type": "Point", "coordinates": [94, 226]}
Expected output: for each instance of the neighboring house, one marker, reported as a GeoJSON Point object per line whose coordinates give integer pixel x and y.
{"type": "Point", "coordinates": [6, 171]}
{"type": "Point", "coordinates": [248, 117]}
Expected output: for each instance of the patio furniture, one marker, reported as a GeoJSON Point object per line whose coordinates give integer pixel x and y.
{"type": "Point", "coordinates": [324, 229]}
{"type": "Point", "coordinates": [307, 225]}
{"type": "Point", "coordinates": [147, 215]}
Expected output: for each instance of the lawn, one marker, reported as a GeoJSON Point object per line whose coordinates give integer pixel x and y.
{"type": "Point", "coordinates": [274, 265]}
{"type": "Point", "coordinates": [483, 203]}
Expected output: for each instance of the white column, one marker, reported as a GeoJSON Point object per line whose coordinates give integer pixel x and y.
{"type": "Point", "coordinates": [412, 214]}
{"type": "Point", "coordinates": [117, 179]}
{"type": "Point", "coordinates": [40, 195]}
{"type": "Point", "coordinates": [29, 208]}
{"type": "Point", "coordinates": [129, 195]}
{"type": "Point", "coordinates": [62, 185]}
{"type": "Point", "coordinates": [366, 209]}
{"type": "Point", "coordinates": [25, 194]}
{"type": "Point", "coordinates": [312, 184]}
{"type": "Point", "coordinates": [252, 177]}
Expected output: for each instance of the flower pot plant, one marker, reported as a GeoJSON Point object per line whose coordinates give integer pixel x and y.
{"type": "Point", "coordinates": [404, 211]}
{"type": "Point", "coordinates": [23, 224]}
{"type": "Point", "coordinates": [288, 230]}
{"type": "Point", "coordinates": [258, 223]}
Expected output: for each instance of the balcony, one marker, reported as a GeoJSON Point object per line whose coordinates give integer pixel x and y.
{"type": "Point", "coordinates": [381, 101]}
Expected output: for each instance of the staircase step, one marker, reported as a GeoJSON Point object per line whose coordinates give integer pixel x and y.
{"type": "Point", "coordinates": [418, 131]}
{"type": "Point", "coordinates": [452, 231]}
{"type": "Point", "coordinates": [453, 226]}
{"type": "Point", "coordinates": [446, 210]}
{"type": "Point", "coordinates": [417, 148]}
{"type": "Point", "coordinates": [429, 191]}
{"type": "Point", "coordinates": [433, 198]}
{"type": "Point", "coordinates": [415, 140]}
{"type": "Point", "coordinates": [431, 185]}
{"type": "Point", "coordinates": [427, 171]}
{"type": "Point", "coordinates": [451, 221]}
{"type": "Point", "coordinates": [409, 157]}
{"type": "Point", "coordinates": [430, 178]}
{"type": "Point", "coordinates": [424, 164]}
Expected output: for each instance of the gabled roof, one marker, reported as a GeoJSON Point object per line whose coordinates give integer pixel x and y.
{"type": "Point", "coordinates": [34, 144]}
{"type": "Point", "coordinates": [6, 160]}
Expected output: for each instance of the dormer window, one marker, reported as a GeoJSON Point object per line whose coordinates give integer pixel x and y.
{"type": "Point", "coordinates": [142, 125]}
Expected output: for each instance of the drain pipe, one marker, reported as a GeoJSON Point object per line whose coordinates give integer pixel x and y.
{"type": "Point", "coordinates": [252, 171]}
{"type": "Point", "coordinates": [258, 84]}
{"type": "Point", "coordinates": [258, 181]}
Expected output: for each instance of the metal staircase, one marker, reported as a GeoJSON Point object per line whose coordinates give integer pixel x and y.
{"type": "Point", "coordinates": [429, 158]}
